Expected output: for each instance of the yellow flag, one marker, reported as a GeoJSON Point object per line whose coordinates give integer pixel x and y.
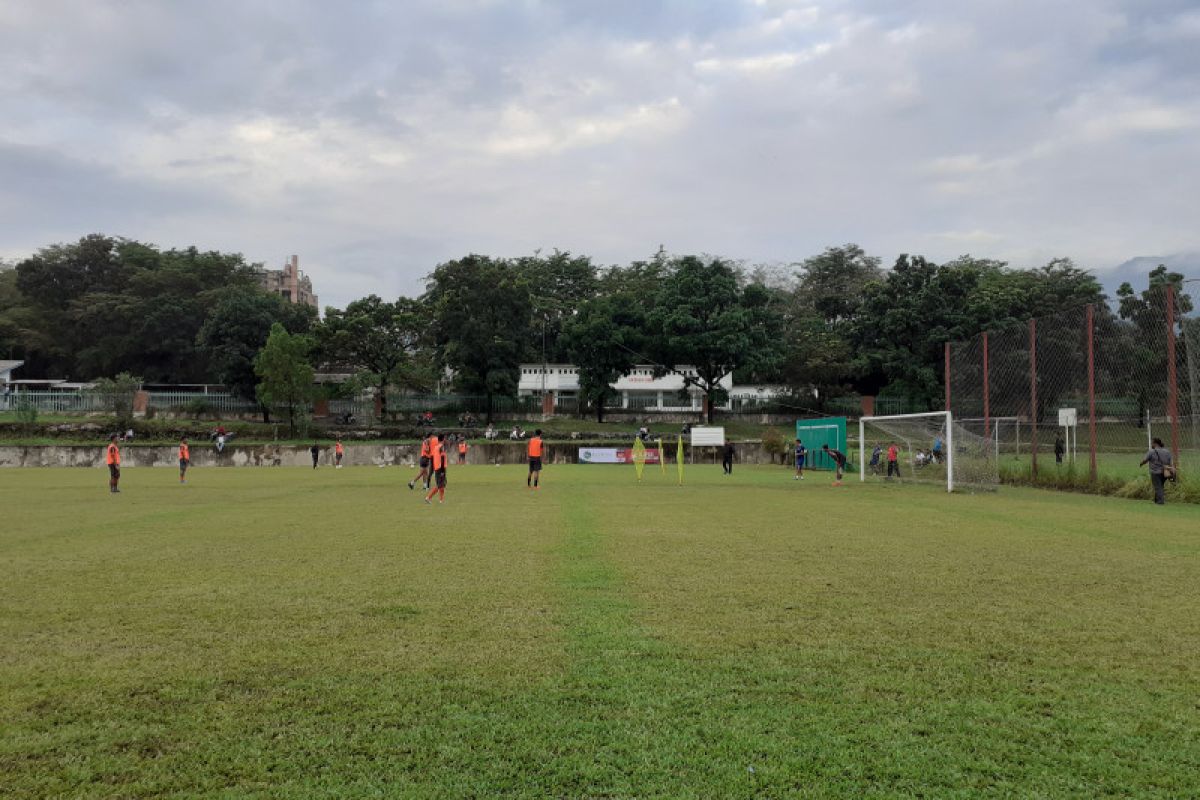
{"type": "Point", "coordinates": [679, 459]}
{"type": "Point", "coordinates": [639, 457]}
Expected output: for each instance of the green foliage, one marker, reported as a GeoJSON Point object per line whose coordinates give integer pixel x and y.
{"type": "Point", "coordinates": [387, 343]}
{"type": "Point", "coordinates": [118, 395]}
{"type": "Point", "coordinates": [285, 375]}
{"type": "Point", "coordinates": [602, 340]}
{"type": "Point", "coordinates": [481, 322]}
{"type": "Point", "coordinates": [705, 319]}
{"type": "Point", "coordinates": [26, 413]}
{"type": "Point", "coordinates": [1072, 478]}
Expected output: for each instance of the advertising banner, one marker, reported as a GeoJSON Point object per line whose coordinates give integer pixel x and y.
{"type": "Point", "coordinates": [613, 455]}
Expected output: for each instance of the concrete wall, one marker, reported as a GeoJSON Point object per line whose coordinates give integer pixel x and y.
{"type": "Point", "coordinates": [356, 455]}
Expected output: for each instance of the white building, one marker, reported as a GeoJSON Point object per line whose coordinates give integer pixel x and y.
{"type": "Point", "coordinates": [638, 389]}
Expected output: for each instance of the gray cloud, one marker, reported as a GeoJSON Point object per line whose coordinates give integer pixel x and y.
{"type": "Point", "coordinates": [378, 139]}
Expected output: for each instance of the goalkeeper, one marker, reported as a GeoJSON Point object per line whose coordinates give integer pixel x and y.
{"type": "Point", "coordinates": [839, 462]}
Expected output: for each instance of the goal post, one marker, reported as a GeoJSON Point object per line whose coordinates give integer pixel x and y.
{"type": "Point", "coordinates": [931, 448]}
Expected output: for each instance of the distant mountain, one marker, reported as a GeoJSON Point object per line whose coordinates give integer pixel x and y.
{"type": "Point", "coordinates": [1136, 270]}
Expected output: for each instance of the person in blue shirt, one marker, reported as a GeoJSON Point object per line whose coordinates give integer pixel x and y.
{"type": "Point", "coordinates": [937, 449]}
{"type": "Point", "coordinates": [801, 457]}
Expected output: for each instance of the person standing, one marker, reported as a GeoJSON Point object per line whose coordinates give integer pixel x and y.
{"type": "Point", "coordinates": [839, 463]}
{"type": "Point", "coordinates": [315, 451]}
{"type": "Point", "coordinates": [338, 452]}
{"type": "Point", "coordinates": [534, 450]}
{"type": "Point", "coordinates": [893, 459]}
{"type": "Point", "coordinates": [876, 456]}
{"type": "Point", "coordinates": [426, 453]}
{"type": "Point", "coordinates": [185, 458]}
{"type": "Point", "coordinates": [112, 457]}
{"type": "Point", "coordinates": [935, 454]}
{"type": "Point", "coordinates": [1161, 469]}
{"type": "Point", "coordinates": [801, 457]}
{"type": "Point", "coordinates": [437, 462]}
{"type": "Point", "coordinates": [1059, 448]}
{"type": "Point", "coordinates": [462, 449]}
{"type": "Point", "coordinates": [727, 459]}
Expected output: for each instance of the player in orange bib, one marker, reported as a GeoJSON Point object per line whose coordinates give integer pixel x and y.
{"type": "Point", "coordinates": [185, 458]}
{"type": "Point", "coordinates": [462, 450]}
{"type": "Point", "coordinates": [426, 451]}
{"type": "Point", "coordinates": [535, 460]}
{"type": "Point", "coordinates": [338, 452]}
{"type": "Point", "coordinates": [112, 457]}
{"type": "Point", "coordinates": [438, 465]}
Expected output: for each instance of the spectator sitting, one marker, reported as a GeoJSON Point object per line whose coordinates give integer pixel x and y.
{"type": "Point", "coordinates": [514, 436]}
{"type": "Point", "coordinates": [129, 435]}
{"type": "Point", "coordinates": [490, 433]}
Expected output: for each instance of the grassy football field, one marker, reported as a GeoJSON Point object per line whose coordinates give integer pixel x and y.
{"type": "Point", "coordinates": [300, 633]}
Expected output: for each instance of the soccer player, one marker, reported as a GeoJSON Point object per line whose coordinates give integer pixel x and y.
{"type": "Point", "coordinates": [185, 458]}
{"type": "Point", "coordinates": [338, 452]}
{"type": "Point", "coordinates": [726, 459]}
{"type": "Point", "coordinates": [315, 451]}
{"type": "Point", "coordinates": [462, 449]}
{"type": "Point", "coordinates": [876, 455]}
{"type": "Point", "coordinates": [801, 457]}
{"type": "Point", "coordinates": [112, 457]}
{"type": "Point", "coordinates": [438, 464]}
{"type": "Point", "coordinates": [426, 451]}
{"type": "Point", "coordinates": [535, 460]}
{"type": "Point", "coordinates": [839, 462]}
{"type": "Point", "coordinates": [893, 458]}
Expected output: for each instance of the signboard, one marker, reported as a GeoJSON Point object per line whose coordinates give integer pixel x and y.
{"type": "Point", "coordinates": [614, 455]}
{"type": "Point", "coordinates": [708, 437]}
{"type": "Point", "coordinates": [1067, 418]}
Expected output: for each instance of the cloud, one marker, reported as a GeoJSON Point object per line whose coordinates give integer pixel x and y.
{"type": "Point", "coordinates": [377, 140]}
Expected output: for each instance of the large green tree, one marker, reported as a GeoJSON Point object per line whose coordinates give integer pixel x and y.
{"type": "Point", "coordinates": [285, 374]}
{"type": "Point", "coordinates": [706, 324]}
{"type": "Point", "coordinates": [602, 340]}
{"type": "Point", "coordinates": [384, 341]}
{"type": "Point", "coordinates": [480, 311]}
{"type": "Point", "coordinates": [236, 329]}
{"type": "Point", "coordinates": [558, 284]}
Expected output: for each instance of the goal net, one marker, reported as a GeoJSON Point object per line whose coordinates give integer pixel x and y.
{"type": "Point", "coordinates": [929, 448]}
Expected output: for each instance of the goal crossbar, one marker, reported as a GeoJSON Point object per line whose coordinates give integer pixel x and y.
{"type": "Point", "coordinates": [862, 440]}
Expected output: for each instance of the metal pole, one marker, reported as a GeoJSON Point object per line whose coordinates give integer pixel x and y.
{"type": "Point", "coordinates": [1033, 406]}
{"type": "Point", "coordinates": [1172, 383]}
{"type": "Point", "coordinates": [1091, 362]}
{"type": "Point", "coordinates": [946, 375]}
{"type": "Point", "coordinates": [987, 423]}
{"type": "Point", "coordinates": [949, 452]}
{"type": "Point", "coordinates": [862, 443]}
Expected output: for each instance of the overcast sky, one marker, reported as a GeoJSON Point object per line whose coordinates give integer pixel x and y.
{"type": "Point", "coordinates": [376, 139]}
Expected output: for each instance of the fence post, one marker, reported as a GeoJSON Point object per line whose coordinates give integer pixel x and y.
{"type": "Point", "coordinates": [1172, 381]}
{"type": "Point", "coordinates": [946, 374]}
{"type": "Point", "coordinates": [987, 405]}
{"type": "Point", "coordinates": [1033, 406]}
{"type": "Point", "coordinates": [1091, 366]}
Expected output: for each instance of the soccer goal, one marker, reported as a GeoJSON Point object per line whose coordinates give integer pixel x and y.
{"type": "Point", "coordinates": [930, 447]}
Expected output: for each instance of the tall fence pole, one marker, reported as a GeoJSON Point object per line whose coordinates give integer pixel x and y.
{"type": "Point", "coordinates": [1172, 380]}
{"type": "Point", "coordinates": [1033, 406]}
{"type": "Point", "coordinates": [1091, 361]}
{"type": "Point", "coordinates": [987, 414]}
{"type": "Point", "coordinates": [946, 374]}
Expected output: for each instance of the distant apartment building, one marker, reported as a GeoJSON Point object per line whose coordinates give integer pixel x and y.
{"type": "Point", "coordinates": [289, 283]}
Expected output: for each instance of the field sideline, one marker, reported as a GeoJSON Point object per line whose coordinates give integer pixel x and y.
{"type": "Point", "coordinates": [301, 633]}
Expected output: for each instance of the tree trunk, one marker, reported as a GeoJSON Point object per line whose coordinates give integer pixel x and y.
{"type": "Point", "coordinates": [600, 409]}
{"type": "Point", "coordinates": [708, 402]}
{"type": "Point", "coordinates": [488, 415]}
{"type": "Point", "coordinates": [382, 400]}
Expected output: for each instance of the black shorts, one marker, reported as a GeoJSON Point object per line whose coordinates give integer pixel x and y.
{"type": "Point", "coordinates": [183, 463]}
{"type": "Point", "coordinates": [535, 464]}
{"type": "Point", "coordinates": [424, 462]}
{"type": "Point", "coordinates": [440, 477]}
{"type": "Point", "coordinates": [114, 471]}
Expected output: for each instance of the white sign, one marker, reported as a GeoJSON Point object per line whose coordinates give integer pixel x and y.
{"type": "Point", "coordinates": [1067, 418]}
{"type": "Point", "coordinates": [708, 437]}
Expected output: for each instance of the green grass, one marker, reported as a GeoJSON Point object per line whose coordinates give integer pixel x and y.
{"type": "Point", "coordinates": [300, 633]}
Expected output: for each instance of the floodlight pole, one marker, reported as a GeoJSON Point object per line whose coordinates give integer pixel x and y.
{"type": "Point", "coordinates": [949, 451]}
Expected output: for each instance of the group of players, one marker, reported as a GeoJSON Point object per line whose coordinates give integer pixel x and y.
{"type": "Point", "coordinates": [433, 460]}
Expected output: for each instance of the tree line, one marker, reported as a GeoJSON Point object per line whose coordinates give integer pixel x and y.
{"type": "Point", "coordinates": [831, 324]}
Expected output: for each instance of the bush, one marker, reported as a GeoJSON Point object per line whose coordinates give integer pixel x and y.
{"type": "Point", "coordinates": [1072, 480]}
{"type": "Point", "coordinates": [26, 413]}
{"type": "Point", "coordinates": [775, 443]}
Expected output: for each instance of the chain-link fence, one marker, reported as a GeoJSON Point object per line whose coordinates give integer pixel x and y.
{"type": "Point", "coordinates": [1088, 388]}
